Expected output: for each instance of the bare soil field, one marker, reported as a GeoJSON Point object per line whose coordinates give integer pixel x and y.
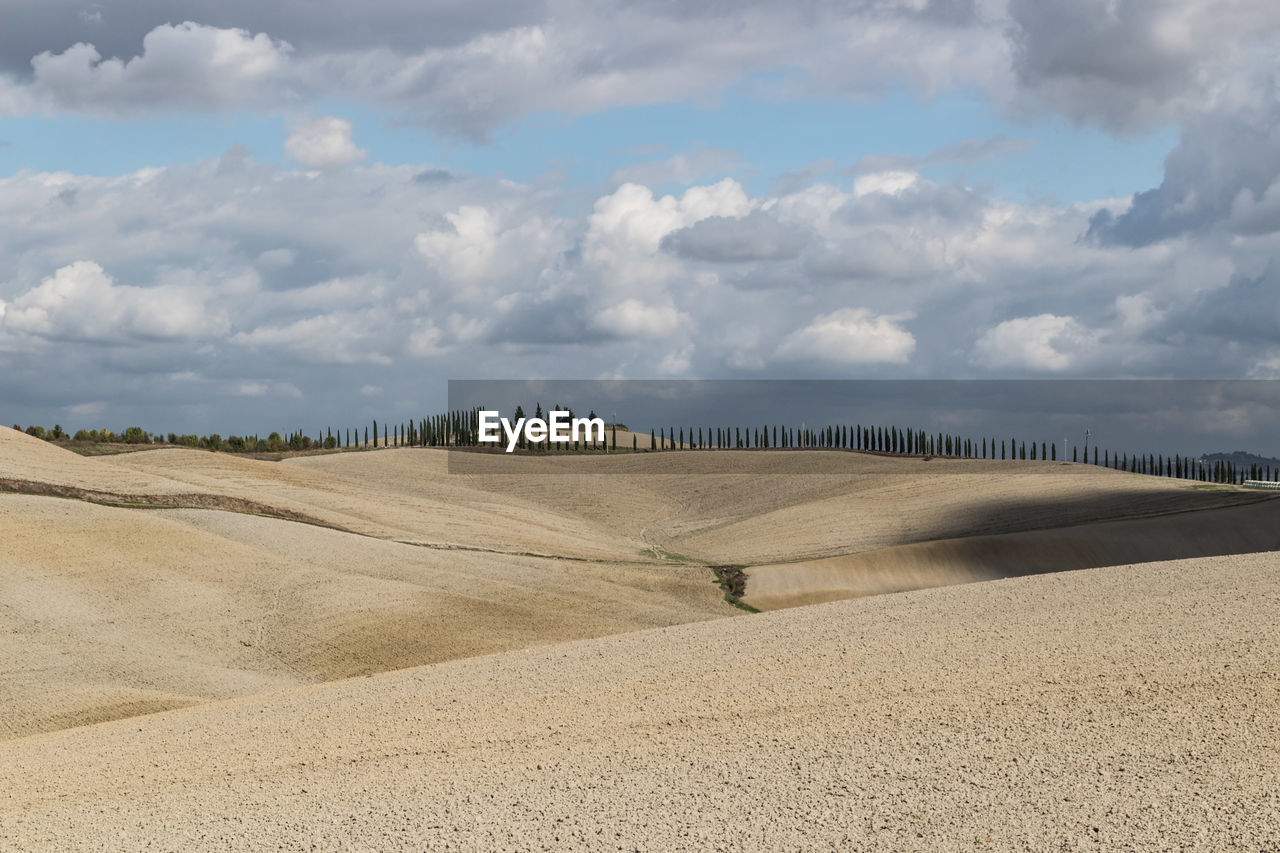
{"type": "Point", "coordinates": [1241, 529]}
{"type": "Point", "coordinates": [204, 649]}
{"type": "Point", "coordinates": [1124, 708]}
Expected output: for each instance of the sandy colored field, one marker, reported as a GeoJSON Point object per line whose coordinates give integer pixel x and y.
{"type": "Point", "coordinates": [1211, 532]}
{"type": "Point", "coordinates": [109, 612]}
{"type": "Point", "coordinates": [767, 506]}
{"type": "Point", "coordinates": [531, 655]}
{"type": "Point", "coordinates": [1125, 708]}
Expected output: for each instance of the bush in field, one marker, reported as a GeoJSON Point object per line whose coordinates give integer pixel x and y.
{"type": "Point", "coordinates": [35, 431]}
{"type": "Point", "coordinates": [136, 435]}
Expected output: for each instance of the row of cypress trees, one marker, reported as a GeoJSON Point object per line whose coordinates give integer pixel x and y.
{"type": "Point", "coordinates": [457, 428]}
{"type": "Point", "coordinates": [899, 441]}
{"type": "Point", "coordinates": [460, 428]}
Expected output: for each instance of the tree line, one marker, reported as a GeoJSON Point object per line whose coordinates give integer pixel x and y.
{"type": "Point", "coordinates": [460, 428]}
{"type": "Point", "coordinates": [899, 441]}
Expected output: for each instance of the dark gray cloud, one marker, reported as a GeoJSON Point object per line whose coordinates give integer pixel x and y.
{"type": "Point", "coordinates": [1245, 312]}
{"type": "Point", "coordinates": [435, 176]}
{"type": "Point", "coordinates": [1220, 175]}
{"type": "Point", "coordinates": [754, 237]}
{"type": "Point", "coordinates": [949, 202]}
{"type": "Point", "coordinates": [117, 27]}
{"type": "Point", "coordinates": [1133, 64]}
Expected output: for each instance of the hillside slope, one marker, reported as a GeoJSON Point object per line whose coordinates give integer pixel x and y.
{"type": "Point", "coordinates": [1120, 708]}
{"type": "Point", "coordinates": [113, 611]}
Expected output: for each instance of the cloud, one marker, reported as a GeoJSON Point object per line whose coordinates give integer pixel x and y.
{"type": "Point", "coordinates": [676, 363]}
{"type": "Point", "coordinates": [1044, 342]}
{"type": "Point", "coordinates": [754, 237]}
{"type": "Point", "coordinates": [632, 318]}
{"type": "Point", "coordinates": [631, 219]}
{"type": "Point", "coordinates": [969, 150]}
{"type": "Point", "coordinates": [325, 143]}
{"type": "Point", "coordinates": [277, 258]}
{"type": "Point", "coordinates": [476, 243]}
{"type": "Point", "coordinates": [183, 67]}
{"type": "Point", "coordinates": [90, 409]}
{"type": "Point", "coordinates": [81, 303]}
{"type": "Point", "coordinates": [252, 389]}
{"type": "Point", "coordinates": [1224, 174]}
{"type": "Point", "coordinates": [333, 338]}
{"type": "Point", "coordinates": [1134, 64]}
{"type": "Point", "coordinates": [215, 278]}
{"type": "Point", "coordinates": [468, 71]}
{"type": "Point", "coordinates": [849, 336]}
{"type": "Point", "coordinates": [871, 254]}
{"type": "Point", "coordinates": [886, 183]}
{"type": "Point", "coordinates": [683, 168]}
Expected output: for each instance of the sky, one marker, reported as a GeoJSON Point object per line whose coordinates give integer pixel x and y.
{"type": "Point", "coordinates": [237, 216]}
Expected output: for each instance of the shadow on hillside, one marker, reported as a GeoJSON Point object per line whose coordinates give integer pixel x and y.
{"type": "Point", "coordinates": [999, 516]}
{"type": "Point", "coordinates": [1187, 529]}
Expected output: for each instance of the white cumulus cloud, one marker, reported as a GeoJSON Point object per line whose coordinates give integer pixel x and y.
{"type": "Point", "coordinates": [1043, 342]}
{"type": "Point", "coordinates": [183, 66]}
{"type": "Point", "coordinates": [849, 336]}
{"type": "Point", "coordinates": [632, 318]}
{"type": "Point", "coordinates": [80, 302]}
{"type": "Point", "coordinates": [325, 143]}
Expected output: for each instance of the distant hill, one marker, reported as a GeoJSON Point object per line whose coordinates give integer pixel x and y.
{"type": "Point", "coordinates": [1243, 459]}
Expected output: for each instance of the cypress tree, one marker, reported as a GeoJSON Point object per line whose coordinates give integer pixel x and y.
{"type": "Point", "coordinates": [375, 433]}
